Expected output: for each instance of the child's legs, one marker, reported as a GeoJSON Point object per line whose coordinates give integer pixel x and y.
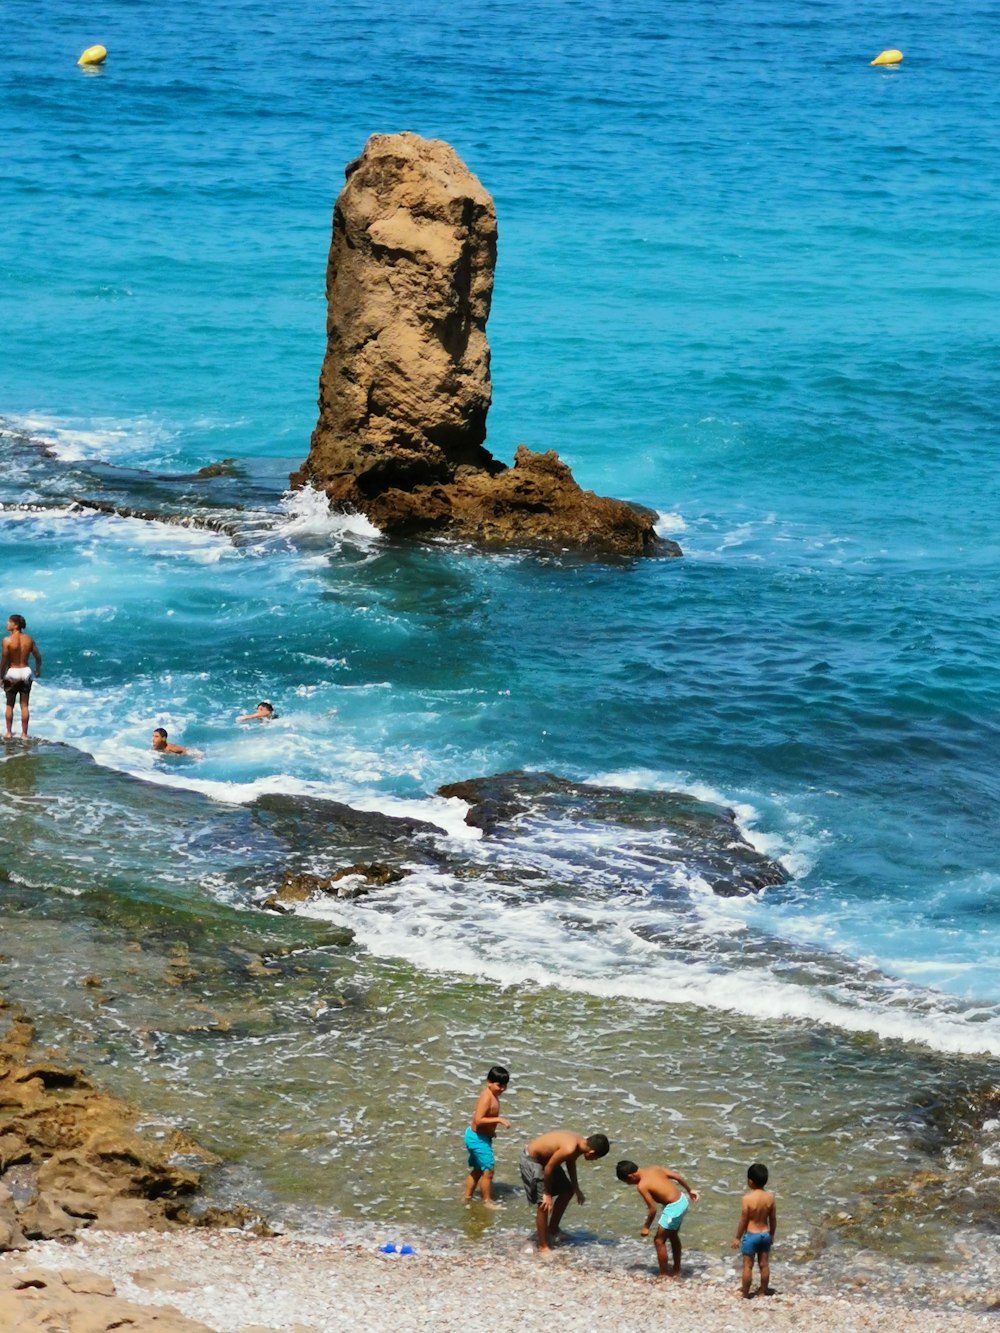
{"type": "Point", "coordinates": [747, 1274]}
{"type": "Point", "coordinates": [558, 1208]}
{"type": "Point", "coordinates": [764, 1264]}
{"type": "Point", "coordinates": [674, 1237]}
{"type": "Point", "coordinates": [542, 1227]}
{"type": "Point", "coordinates": [471, 1181]}
{"type": "Point", "coordinates": [660, 1242]}
{"type": "Point", "coordinates": [486, 1186]}
{"type": "Point", "coordinates": [24, 713]}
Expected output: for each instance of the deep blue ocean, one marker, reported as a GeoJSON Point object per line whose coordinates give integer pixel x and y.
{"type": "Point", "coordinates": [744, 278]}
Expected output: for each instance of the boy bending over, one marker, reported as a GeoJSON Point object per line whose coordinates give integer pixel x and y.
{"type": "Point", "coordinates": [548, 1172]}
{"type": "Point", "coordinates": [667, 1206]}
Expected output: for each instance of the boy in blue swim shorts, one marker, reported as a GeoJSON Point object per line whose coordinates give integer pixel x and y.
{"type": "Point", "coordinates": [479, 1136]}
{"type": "Point", "coordinates": [667, 1206]}
{"type": "Point", "coordinates": [755, 1233]}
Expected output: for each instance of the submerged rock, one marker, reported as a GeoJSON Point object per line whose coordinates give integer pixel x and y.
{"type": "Point", "coordinates": [405, 386]}
{"type": "Point", "coordinates": [349, 882]}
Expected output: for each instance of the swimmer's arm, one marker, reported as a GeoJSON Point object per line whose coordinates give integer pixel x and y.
{"type": "Point", "coordinates": [772, 1219]}
{"type": "Point", "coordinates": [33, 652]}
{"type": "Point", "coordinates": [5, 659]}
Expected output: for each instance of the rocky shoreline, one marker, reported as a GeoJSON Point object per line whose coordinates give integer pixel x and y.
{"type": "Point", "coordinates": [72, 1157]}
{"type": "Point", "coordinates": [101, 1228]}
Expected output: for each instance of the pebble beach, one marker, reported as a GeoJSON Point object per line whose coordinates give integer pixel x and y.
{"type": "Point", "coordinates": [232, 1283]}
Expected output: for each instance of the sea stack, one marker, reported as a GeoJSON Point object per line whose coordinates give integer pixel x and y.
{"type": "Point", "coordinates": [405, 384]}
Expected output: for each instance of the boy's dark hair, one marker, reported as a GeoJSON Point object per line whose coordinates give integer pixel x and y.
{"type": "Point", "coordinates": [160, 731]}
{"type": "Point", "coordinates": [624, 1169]}
{"type": "Point", "coordinates": [498, 1075]}
{"type": "Point", "coordinates": [264, 704]}
{"type": "Point", "coordinates": [757, 1175]}
{"type": "Point", "coordinates": [598, 1145]}
{"type": "Point", "coordinates": [19, 621]}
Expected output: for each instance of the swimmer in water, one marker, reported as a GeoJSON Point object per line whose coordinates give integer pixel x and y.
{"type": "Point", "coordinates": [264, 712]}
{"type": "Point", "coordinates": [163, 746]}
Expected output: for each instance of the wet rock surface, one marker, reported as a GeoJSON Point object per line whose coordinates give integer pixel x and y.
{"type": "Point", "coordinates": [71, 1156]}
{"type": "Point", "coordinates": [349, 882]}
{"type": "Point", "coordinates": [705, 836]}
{"type": "Point", "coordinates": [405, 385]}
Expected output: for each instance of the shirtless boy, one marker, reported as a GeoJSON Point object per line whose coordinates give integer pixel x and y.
{"type": "Point", "coordinates": [667, 1205]}
{"type": "Point", "coordinates": [755, 1233]}
{"type": "Point", "coordinates": [479, 1136]}
{"type": "Point", "coordinates": [15, 671]}
{"type": "Point", "coordinates": [164, 746]}
{"type": "Point", "coordinates": [548, 1172]}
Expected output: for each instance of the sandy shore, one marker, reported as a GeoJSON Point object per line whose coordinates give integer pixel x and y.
{"type": "Point", "coordinates": [232, 1283]}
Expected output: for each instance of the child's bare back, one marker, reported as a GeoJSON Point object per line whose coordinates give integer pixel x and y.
{"type": "Point", "coordinates": [758, 1209]}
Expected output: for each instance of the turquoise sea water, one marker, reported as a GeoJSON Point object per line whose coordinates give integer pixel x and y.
{"type": "Point", "coordinates": [744, 278]}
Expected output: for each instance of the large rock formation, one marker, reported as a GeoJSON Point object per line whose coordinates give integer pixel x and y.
{"type": "Point", "coordinates": [405, 385]}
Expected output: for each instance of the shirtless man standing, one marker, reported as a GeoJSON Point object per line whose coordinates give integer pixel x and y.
{"type": "Point", "coordinates": [15, 671]}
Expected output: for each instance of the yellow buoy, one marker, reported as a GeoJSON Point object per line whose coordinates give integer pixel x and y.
{"type": "Point", "coordinates": [94, 55]}
{"type": "Point", "coordinates": [892, 57]}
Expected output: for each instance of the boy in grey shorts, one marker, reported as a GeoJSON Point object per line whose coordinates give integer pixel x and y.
{"type": "Point", "coordinates": [548, 1172]}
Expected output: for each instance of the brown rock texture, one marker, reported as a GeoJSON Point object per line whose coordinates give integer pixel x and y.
{"type": "Point", "coordinates": [70, 1156]}
{"type": "Point", "coordinates": [39, 1301]}
{"type": "Point", "coordinates": [405, 385]}
{"type": "Point", "coordinates": [353, 881]}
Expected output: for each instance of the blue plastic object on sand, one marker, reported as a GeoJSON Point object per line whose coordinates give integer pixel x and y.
{"type": "Point", "coordinates": [387, 1249]}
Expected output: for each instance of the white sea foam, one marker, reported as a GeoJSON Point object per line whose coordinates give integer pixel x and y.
{"type": "Point", "coordinates": [668, 523]}
{"type": "Point", "coordinates": [593, 950]}
{"type": "Point", "coordinates": [181, 772]}
{"type": "Point", "coordinates": [109, 439]}
{"type": "Point", "coordinates": [306, 517]}
{"type": "Point", "coordinates": [796, 856]}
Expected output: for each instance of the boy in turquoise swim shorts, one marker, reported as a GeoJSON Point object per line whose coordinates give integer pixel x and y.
{"type": "Point", "coordinates": [755, 1233]}
{"type": "Point", "coordinates": [479, 1136]}
{"type": "Point", "coordinates": [667, 1206]}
